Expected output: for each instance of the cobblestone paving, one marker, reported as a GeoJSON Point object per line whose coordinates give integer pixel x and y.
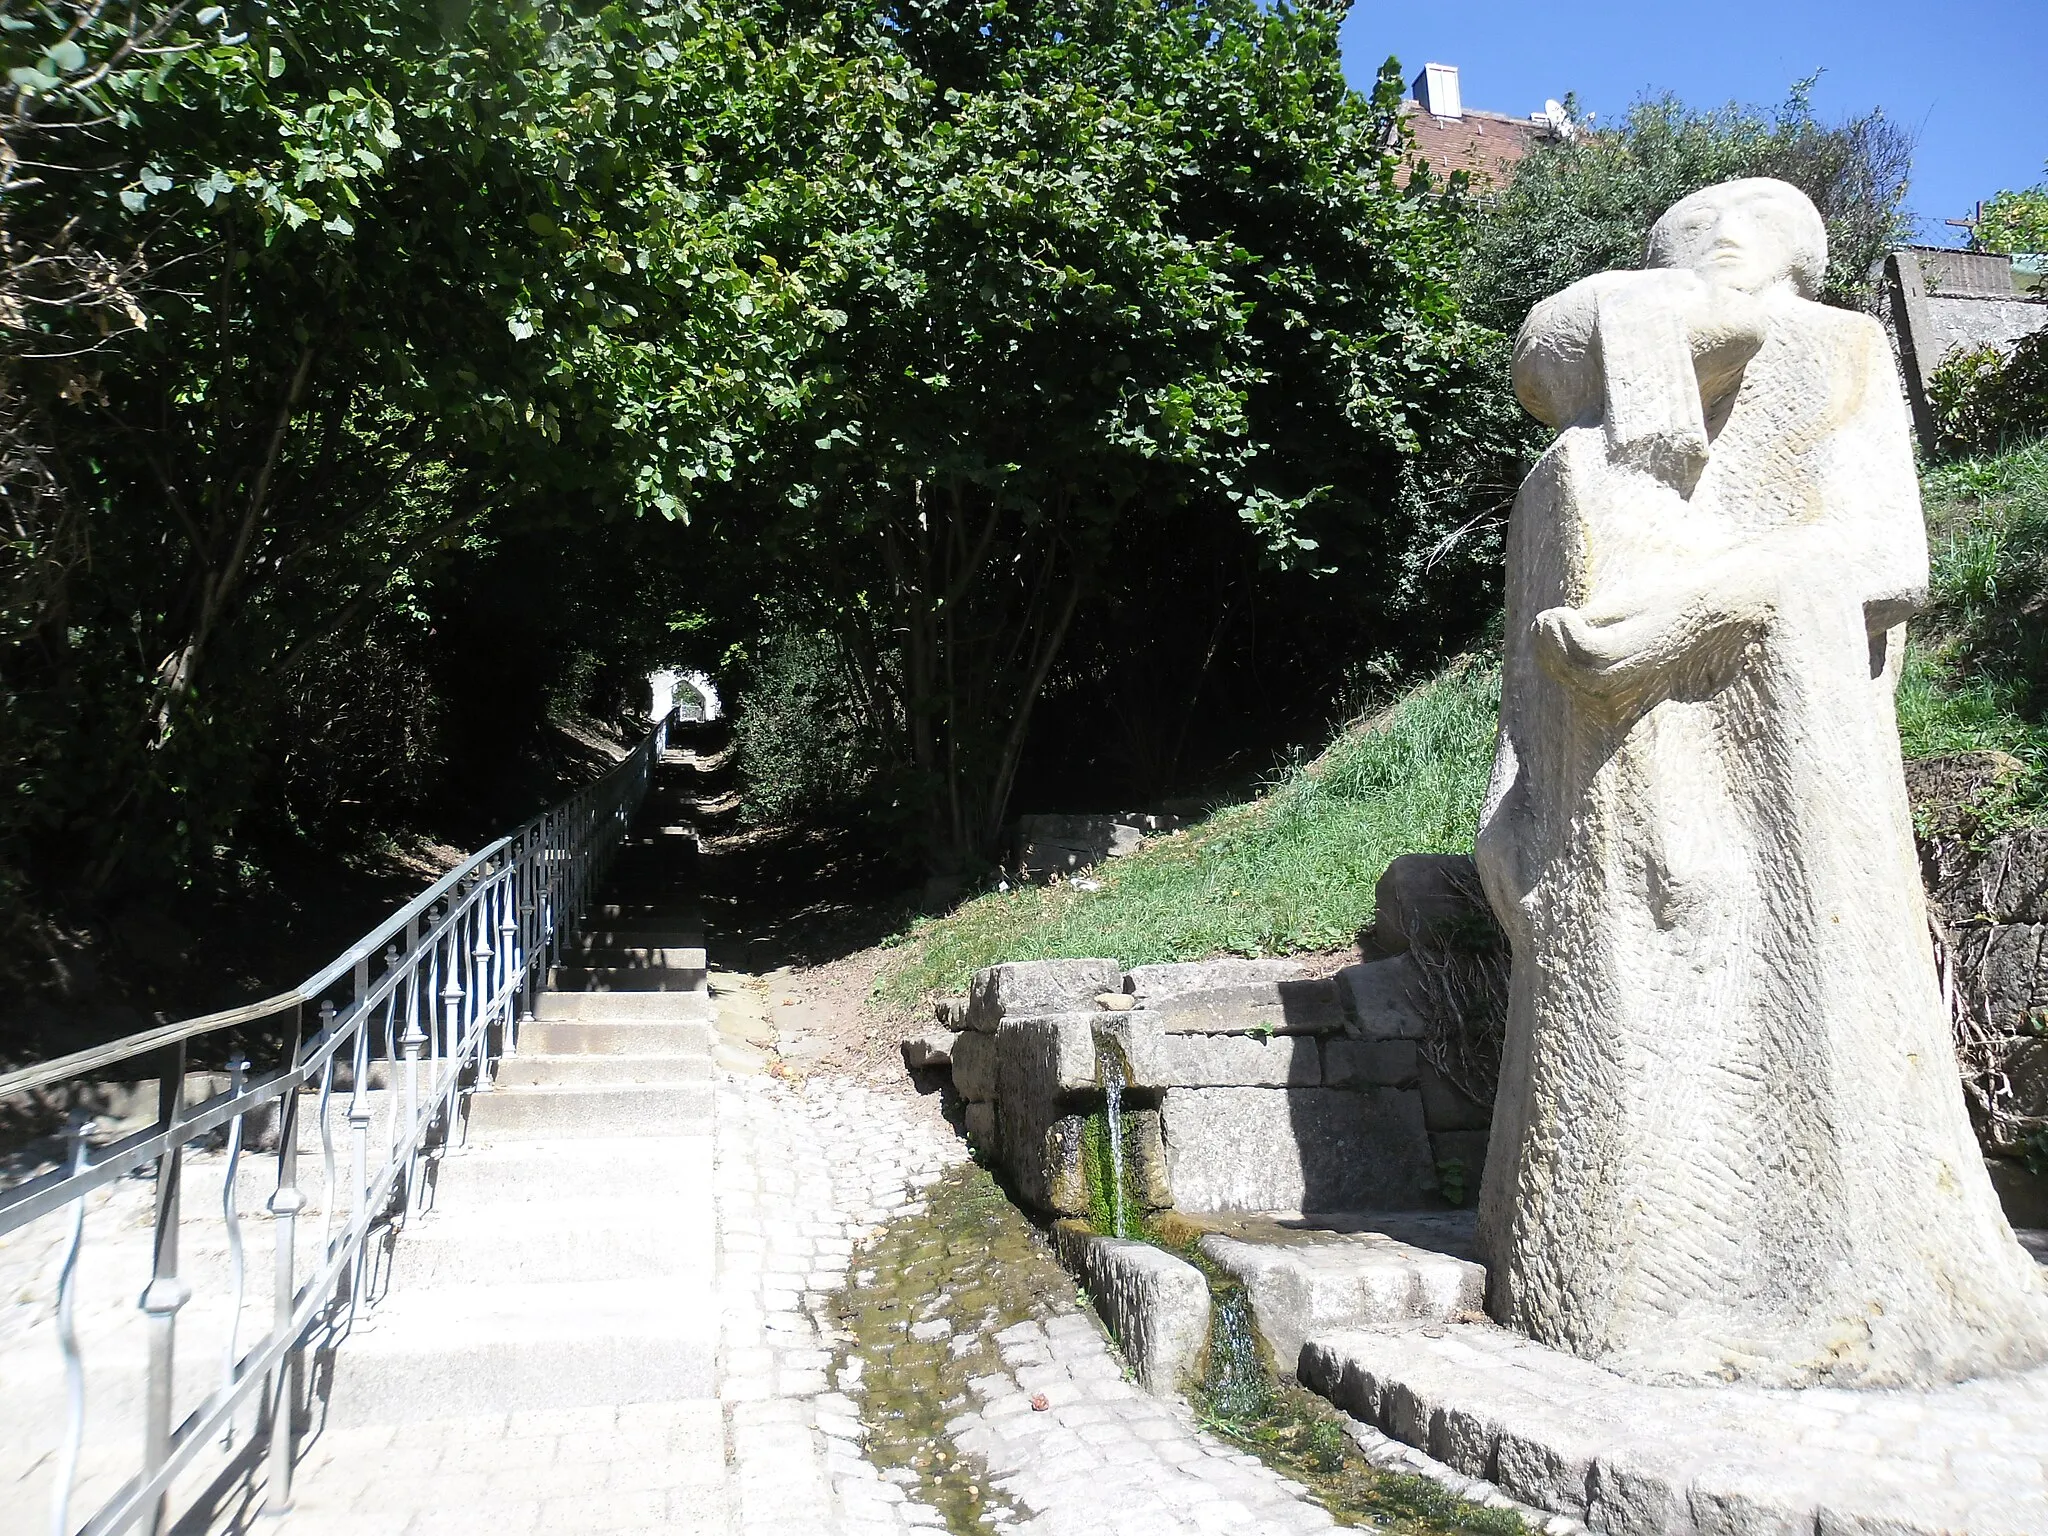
{"type": "Point", "coordinates": [1065, 1433]}
{"type": "Point", "coordinates": [810, 1179]}
{"type": "Point", "coordinates": [802, 1177]}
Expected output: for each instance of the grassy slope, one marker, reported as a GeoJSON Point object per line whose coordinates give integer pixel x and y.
{"type": "Point", "coordinates": [1295, 869]}
{"type": "Point", "coordinates": [1965, 685]}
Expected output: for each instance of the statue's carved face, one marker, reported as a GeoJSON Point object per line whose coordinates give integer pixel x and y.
{"type": "Point", "coordinates": [1751, 235]}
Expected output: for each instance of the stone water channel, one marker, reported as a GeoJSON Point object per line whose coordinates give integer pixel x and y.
{"type": "Point", "coordinates": [987, 1394]}
{"type": "Point", "coordinates": [928, 1302]}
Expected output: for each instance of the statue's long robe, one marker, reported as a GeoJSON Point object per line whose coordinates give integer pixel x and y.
{"type": "Point", "coordinates": [1730, 1140]}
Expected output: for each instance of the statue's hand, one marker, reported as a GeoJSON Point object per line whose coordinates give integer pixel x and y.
{"type": "Point", "coordinates": [1619, 638]}
{"type": "Point", "coordinates": [1600, 650]}
{"type": "Point", "coordinates": [1589, 652]}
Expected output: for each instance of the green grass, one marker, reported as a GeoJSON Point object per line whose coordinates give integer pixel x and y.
{"type": "Point", "coordinates": [1975, 668]}
{"type": "Point", "coordinates": [1293, 870]}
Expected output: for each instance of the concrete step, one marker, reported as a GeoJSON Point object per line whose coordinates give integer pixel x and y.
{"type": "Point", "coordinates": [643, 1038]}
{"type": "Point", "coordinates": [587, 1070]}
{"type": "Point", "coordinates": [631, 941]}
{"type": "Point", "coordinates": [626, 1109]}
{"type": "Point", "coordinates": [652, 893]}
{"type": "Point", "coordinates": [632, 978]}
{"type": "Point", "coordinates": [620, 1006]}
{"type": "Point", "coordinates": [662, 840]}
{"type": "Point", "coordinates": [681, 913]}
{"type": "Point", "coordinates": [559, 1243]}
{"type": "Point", "coordinates": [668, 867]}
{"type": "Point", "coordinates": [679, 847]}
{"type": "Point", "coordinates": [624, 952]}
{"type": "Point", "coordinates": [507, 1348]}
{"type": "Point", "coordinates": [510, 1174]}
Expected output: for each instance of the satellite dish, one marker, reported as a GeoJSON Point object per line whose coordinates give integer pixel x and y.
{"type": "Point", "coordinates": [1560, 120]}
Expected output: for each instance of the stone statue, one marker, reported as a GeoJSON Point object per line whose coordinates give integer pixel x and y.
{"type": "Point", "coordinates": [1730, 1142]}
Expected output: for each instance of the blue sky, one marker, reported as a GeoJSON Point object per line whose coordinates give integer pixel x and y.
{"type": "Point", "coordinates": [1968, 79]}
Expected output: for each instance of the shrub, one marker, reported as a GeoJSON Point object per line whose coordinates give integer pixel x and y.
{"type": "Point", "coordinates": [1986, 401]}
{"type": "Point", "coordinates": [2014, 221]}
{"type": "Point", "coordinates": [803, 747]}
{"type": "Point", "coordinates": [1976, 675]}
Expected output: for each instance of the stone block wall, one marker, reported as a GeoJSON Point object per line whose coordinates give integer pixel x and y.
{"type": "Point", "coordinates": [1990, 899]}
{"type": "Point", "coordinates": [1248, 1086]}
{"type": "Point", "coordinates": [1939, 302]}
{"type": "Point", "coordinates": [1066, 845]}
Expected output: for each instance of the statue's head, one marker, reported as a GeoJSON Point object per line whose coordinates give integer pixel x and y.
{"type": "Point", "coordinates": [1753, 234]}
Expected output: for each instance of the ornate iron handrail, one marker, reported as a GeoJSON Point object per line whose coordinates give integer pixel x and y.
{"type": "Point", "coordinates": [441, 985]}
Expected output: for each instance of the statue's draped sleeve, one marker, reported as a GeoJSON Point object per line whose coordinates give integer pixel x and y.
{"type": "Point", "coordinates": [1618, 348]}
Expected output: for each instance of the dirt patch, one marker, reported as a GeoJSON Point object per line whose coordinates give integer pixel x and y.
{"type": "Point", "coordinates": [827, 1020]}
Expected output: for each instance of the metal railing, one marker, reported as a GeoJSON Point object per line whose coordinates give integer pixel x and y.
{"type": "Point", "coordinates": [431, 997]}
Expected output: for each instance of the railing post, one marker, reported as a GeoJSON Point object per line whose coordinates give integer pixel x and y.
{"type": "Point", "coordinates": [359, 1148]}
{"type": "Point", "coordinates": [508, 967]}
{"type": "Point", "coordinates": [483, 981]}
{"type": "Point", "coordinates": [415, 1038]}
{"type": "Point", "coordinates": [285, 1206]}
{"type": "Point", "coordinates": [78, 1131]}
{"type": "Point", "coordinates": [231, 1218]}
{"type": "Point", "coordinates": [451, 1008]}
{"type": "Point", "coordinates": [166, 1293]}
{"type": "Point", "coordinates": [529, 984]}
{"type": "Point", "coordinates": [510, 979]}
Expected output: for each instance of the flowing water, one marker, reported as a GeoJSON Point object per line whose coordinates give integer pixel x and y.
{"type": "Point", "coordinates": [969, 1259]}
{"type": "Point", "coordinates": [1301, 1435]}
{"type": "Point", "coordinates": [1236, 1385]}
{"type": "Point", "coordinates": [1109, 1067]}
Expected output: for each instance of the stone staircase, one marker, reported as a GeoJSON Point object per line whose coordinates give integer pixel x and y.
{"type": "Point", "coordinates": [566, 1255]}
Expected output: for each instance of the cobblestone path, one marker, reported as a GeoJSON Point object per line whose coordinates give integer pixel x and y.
{"type": "Point", "coordinates": [1048, 1436]}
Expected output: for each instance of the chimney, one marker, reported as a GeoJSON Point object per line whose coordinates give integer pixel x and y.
{"type": "Point", "coordinates": [1436, 88]}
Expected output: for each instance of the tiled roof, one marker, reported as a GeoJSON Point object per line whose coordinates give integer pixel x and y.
{"type": "Point", "coordinates": [1484, 144]}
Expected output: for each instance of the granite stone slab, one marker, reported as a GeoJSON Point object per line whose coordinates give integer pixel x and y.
{"type": "Point", "coordinates": [1296, 1149]}
{"type": "Point", "coordinates": [1567, 1436]}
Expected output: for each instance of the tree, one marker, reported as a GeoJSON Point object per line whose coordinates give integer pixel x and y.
{"type": "Point", "coordinates": [1090, 262]}
{"type": "Point", "coordinates": [1586, 204]}
{"type": "Point", "coordinates": [301, 300]}
{"type": "Point", "coordinates": [2013, 222]}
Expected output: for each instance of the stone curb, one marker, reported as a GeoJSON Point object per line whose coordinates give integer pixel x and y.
{"type": "Point", "coordinates": [1390, 1455]}
{"type": "Point", "coordinates": [1156, 1306]}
